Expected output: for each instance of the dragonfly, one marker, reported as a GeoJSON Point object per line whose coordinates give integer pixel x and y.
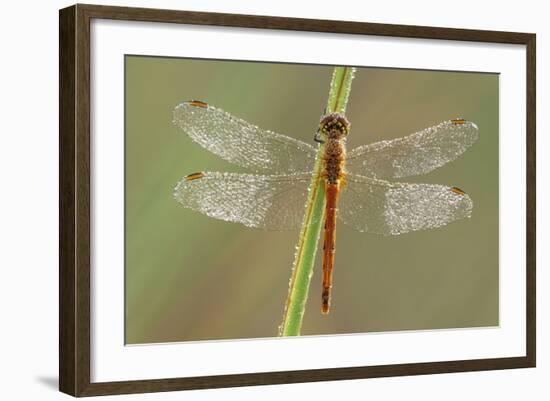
{"type": "Point", "coordinates": [357, 187]}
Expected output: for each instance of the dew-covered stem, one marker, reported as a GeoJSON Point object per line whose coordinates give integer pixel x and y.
{"type": "Point", "coordinates": [306, 249]}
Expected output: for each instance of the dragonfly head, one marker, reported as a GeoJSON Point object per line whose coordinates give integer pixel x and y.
{"type": "Point", "coordinates": [334, 126]}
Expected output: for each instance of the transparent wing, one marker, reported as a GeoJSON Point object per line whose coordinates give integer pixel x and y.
{"type": "Point", "coordinates": [415, 154]}
{"type": "Point", "coordinates": [240, 142]}
{"type": "Point", "coordinates": [272, 202]}
{"type": "Point", "coordinates": [382, 207]}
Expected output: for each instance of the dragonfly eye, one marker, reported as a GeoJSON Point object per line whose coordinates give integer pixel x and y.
{"type": "Point", "coordinates": [334, 125]}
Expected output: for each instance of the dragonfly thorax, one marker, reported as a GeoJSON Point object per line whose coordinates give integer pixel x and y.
{"type": "Point", "coordinates": [334, 126]}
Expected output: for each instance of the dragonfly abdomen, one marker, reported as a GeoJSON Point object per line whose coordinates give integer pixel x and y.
{"type": "Point", "coordinates": [329, 244]}
{"type": "Point", "coordinates": [333, 173]}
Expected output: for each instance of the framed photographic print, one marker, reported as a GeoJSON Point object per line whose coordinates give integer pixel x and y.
{"type": "Point", "coordinates": [251, 200]}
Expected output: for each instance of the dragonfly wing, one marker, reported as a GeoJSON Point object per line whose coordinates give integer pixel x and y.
{"type": "Point", "coordinates": [240, 142]}
{"type": "Point", "coordinates": [416, 154]}
{"type": "Point", "coordinates": [382, 207]}
{"type": "Point", "coordinates": [272, 202]}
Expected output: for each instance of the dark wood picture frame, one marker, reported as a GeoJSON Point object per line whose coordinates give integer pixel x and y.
{"type": "Point", "coordinates": [74, 199]}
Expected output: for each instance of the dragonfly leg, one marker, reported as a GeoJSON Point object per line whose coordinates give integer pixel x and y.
{"type": "Point", "coordinates": [317, 137]}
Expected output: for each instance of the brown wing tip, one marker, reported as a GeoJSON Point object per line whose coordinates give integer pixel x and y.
{"type": "Point", "coordinates": [197, 103]}
{"type": "Point", "coordinates": [458, 121]}
{"type": "Point", "coordinates": [194, 176]}
{"type": "Point", "coordinates": [458, 191]}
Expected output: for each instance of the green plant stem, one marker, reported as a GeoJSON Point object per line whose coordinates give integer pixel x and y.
{"type": "Point", "coordinates": [302, 270]}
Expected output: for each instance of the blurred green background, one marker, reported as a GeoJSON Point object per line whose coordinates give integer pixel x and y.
{"type": "Point", "coordinates": [191, 277]}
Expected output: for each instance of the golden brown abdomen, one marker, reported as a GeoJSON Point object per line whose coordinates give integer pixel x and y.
{"type": "Point", "coordinates": [329, 244]}
{"type": "Point", "coordinates": [333, 174]}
